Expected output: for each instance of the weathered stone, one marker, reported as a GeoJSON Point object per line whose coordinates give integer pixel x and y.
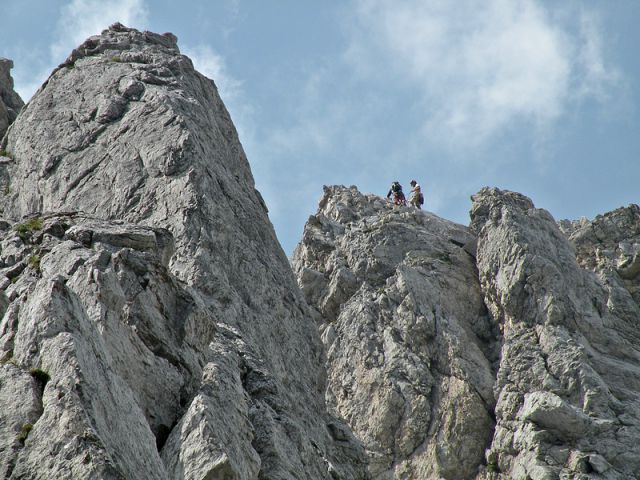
{"type": "Point", "coordinates": [164, 310]}
{"type": "Point", "coordinates": [151, 327]}
{"type": "Point", "coordinates": [550, 412]}
{"type": "Point", "coordinates": [110, 109]}
{"type": "Point", "coordinates": [568, 371]}
{"type": "Point", "coordinates": [20, 396]}
{"type": "Point", "coordinates": [410, 346]}
{"type": "Point", "coordinates": [412, 352]}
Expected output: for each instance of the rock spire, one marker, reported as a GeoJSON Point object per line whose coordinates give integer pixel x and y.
{"type": "Point", "coordinates": [143, 279]}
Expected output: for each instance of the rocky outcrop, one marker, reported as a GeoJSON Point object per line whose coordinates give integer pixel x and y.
{"type": "Point", "coordinates": [106, 345]}
{"type": "Point", "coordinates": [10, 101]}
{"type": "Point", "coordinates": [567, 389]}
{"type": "Point", "coordinates": [506, 350]}
{"type": "Point", "coordinates": [150, 318]}
{"type": "Point", "coordinates": [411, 348]}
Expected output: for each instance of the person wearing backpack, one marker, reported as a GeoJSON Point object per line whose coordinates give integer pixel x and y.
{"type": "Point", "coordinates": [416, 199]}
{"type": "Point", "coordinates": [396, 191]}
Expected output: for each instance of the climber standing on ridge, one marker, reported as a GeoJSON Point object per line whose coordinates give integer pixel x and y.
{"type": "Point", "coordinates": [396, 191]}
{"type": "Point", "coordinates": [416, 199]}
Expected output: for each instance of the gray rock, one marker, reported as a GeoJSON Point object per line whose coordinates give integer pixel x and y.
{"type": "Point", "coordinates": [20, 396]}
{"type": "Point", "coordinates": [10, 101]}
{"type": "Point", "coordinates": [410, 346]}
{"type": "Point", "coordinates": [151, 326]}
{"type": "Point", "coordinates": [163, 309]}
{"type": "Point", "coordinates": [550, 412]}
{"type": "Point", "coordinates": [568, 385]}
{"type": "Point", "coordinates": [507, 350]}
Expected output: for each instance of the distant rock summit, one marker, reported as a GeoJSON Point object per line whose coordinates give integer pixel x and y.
{"type": "Point", "coordinates": [10, 101]}
{"type": "Point", "coordinates": [153, 329]}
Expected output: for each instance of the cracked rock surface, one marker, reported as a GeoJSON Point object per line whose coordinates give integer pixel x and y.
{"type": "Point", "coordinates": [568, 389]}
{"type": "Point", "coordinates": [507, 350]}
{"type": "Point", "coordinates": [411, 348]}
{"type": "Point", "coordinates": [150, 319]}
{"type": "Point", "coordinates": [151, 326]}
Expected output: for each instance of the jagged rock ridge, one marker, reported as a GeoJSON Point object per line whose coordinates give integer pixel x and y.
{"type": "Point", "coordinates": [149, 316]}
{"type": "Point", "coordinates": [500, 351]}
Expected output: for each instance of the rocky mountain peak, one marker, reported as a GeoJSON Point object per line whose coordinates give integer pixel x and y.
{"type": "Point", "coordinates": [411, 348]}
{"type": "Point", "coordinates": [151, 326]}
{"type": "Point", "coordinates": [141, 275]}
{"type": "Point", "coordinates": [504, 350]}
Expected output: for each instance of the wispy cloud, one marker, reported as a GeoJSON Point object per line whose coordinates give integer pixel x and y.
{"type": "Point", "coordinates": [597, 76]}
{"type": "Point", "coordinates": [77, 20]}
{"type": "Point", "coordinates": [80, 19]}
{"type": "Point", "coordinates": [317, 120]}
{"type": "Point", "coordinates": [211, 64]}
{"type": "Point", "coordinates": [479, 66]}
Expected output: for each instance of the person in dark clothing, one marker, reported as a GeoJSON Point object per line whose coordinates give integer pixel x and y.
{"type": "Point", "coordinates": [396, 191]}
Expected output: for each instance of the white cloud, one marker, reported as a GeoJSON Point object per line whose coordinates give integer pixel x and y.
{"type": "Point", "coordinates": [77, 20]}
{"type": "Point", "coordinates": [597, 76]}
{"type": "Point", "coordinates": [479, 66]}
{"type": "Point", "coordinates": [80, 19]}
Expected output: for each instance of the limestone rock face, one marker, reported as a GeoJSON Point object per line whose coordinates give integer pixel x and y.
{"type": "Point", "coordinates": [568, 386]}
{"type": "Point", "coordinates": [151, 325]}
{"type": "Point", "coordinates": [411, 348]}
{"type": "Point", "coordinates": [10, 101]}
{"type": "Point", "coordinates": [508, 350]}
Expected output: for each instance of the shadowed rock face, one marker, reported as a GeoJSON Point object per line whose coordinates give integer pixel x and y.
{"type": "Point", "coordinates": [10, 101]}
{"type": "Point", "coordinates": [507, 350]}
{"type": "Point", "coordinates": [140, 271]}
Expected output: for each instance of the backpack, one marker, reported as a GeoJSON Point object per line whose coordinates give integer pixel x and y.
{"type": "Point", "coordinates": [421, 199]}
{"type": "Point", "coordinates": [395, 187]}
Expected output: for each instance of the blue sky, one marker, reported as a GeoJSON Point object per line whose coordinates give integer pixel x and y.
{"type": "Point", "coordinates": [535, 96]}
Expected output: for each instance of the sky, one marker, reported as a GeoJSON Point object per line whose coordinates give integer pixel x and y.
{"type": "Point", "coordinates": [535, 96]}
